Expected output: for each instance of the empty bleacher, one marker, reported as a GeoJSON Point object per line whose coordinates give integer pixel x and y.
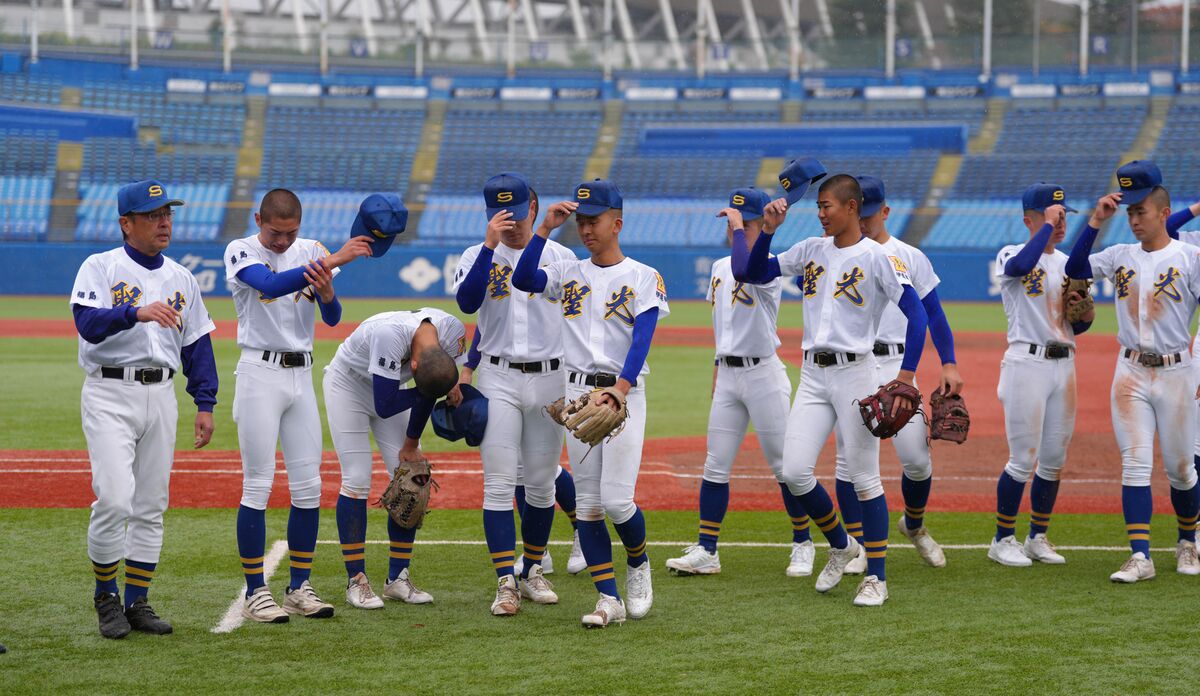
{"type": "Point", "coordinates": [197, 221]}
{"type": "Point", "coordinates": [180, 120]}
{"type": "Point", "coordinates": [24, 207]}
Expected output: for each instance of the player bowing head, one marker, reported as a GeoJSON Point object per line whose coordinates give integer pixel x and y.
{"type": "Point", "coordinates": [1045, 203]}
{"type": "Point", "coordinates": [434, 371]}
{"type": "Point", "coordinates": [278, 220]}
{"type": "Point", "coordinates": [512, 208]}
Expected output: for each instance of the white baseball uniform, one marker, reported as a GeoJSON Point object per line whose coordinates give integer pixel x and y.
{"type": "Point", "coordinates": [521, 442]}
{"type": "Point", "coordinates": [844, 292]}
{"type": "Point", "coordinates": [1155, 297]}
{"type": "Point", "coordinates": [130, 427]}
{"type": "Point", "coordinates": [1192, 238]}
{"type": "Point", "coordinates": [273, 403]}
{"type": "Point", "coordinates": [381, 345]}
{"type": "Point", "coordinates": [1037, 374]}
{"type": "Point", "coordinates": [753, 389]}
{"type": "Point", "coordinates": [599, 305]}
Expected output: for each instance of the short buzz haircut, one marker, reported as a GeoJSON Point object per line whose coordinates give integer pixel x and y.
{"type": "Point", "coordinates": [436, 373]}
{"type": "Point", "coordinates": [1160, 196]}
{"type": "Point", "coordinates": [844, 187]}
{"type": "Point", "coordinates": [279, 204]}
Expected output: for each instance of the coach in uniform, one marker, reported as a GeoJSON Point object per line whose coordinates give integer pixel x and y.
{"type": "Point", "coordinates": [140, 319]}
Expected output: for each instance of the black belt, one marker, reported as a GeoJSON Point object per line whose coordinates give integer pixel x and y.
{"type": "Point", "coordinates": [827, 359]}
{"type": "Point", "coordinates": [885, 349]}
{"type": "Point", "coordinates": [601, 379]}
{"type": "Point", "coordinates": [1153, 359]}
{"type": "Point", "coordinates": [288, 359]}
{"type": "Point", "coordinates": [737, 361]}
{"type": "Point", "coordinates": [145, 375]}
{"type": "Point", "coordinates": [1053, 351]}
{"type": "Point", "coordinates": [529, 366]}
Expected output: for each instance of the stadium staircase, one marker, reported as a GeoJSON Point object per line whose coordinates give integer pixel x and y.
{"type": "Point", "coordinates": [1147, 137]}
{"type": "Point", "coordinates": [65, 199]}
{"type": "Point", "coordinates": [425, 163]}
{"type": "Point", "coordinates": [599, 163]}
{"type": "Point", "coordinates": [249, 167]}
{"type": "Point", "coordinates": [984, 142]}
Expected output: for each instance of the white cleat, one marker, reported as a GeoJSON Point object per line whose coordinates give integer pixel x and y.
{"type": "Point", "coordinates": [831, 575]}
{"type": "Point", "coordinates": [1008, 552]}
{"type": "Point", "coordinates": [576, 563]}
{"type": "Point", "coordinates": [1186, 561]}
{"type": "Point", "coordinates": [508, 600]}
{"type": "Point", "coordinates": [1039, 548]}
{"type": "Point", "coordinates": [304, 601]}
{"type": "Point", "coordinates": [1138, 567]}
{"type": "Point", "coordinates": [537, 588]}
{"type": "Point", "coordinates": [872, 592]}
{"type": "Point", "coordinates": [608, 610]}
{"type": "Point", "coordinates": [260, 606]}
{"type": "Point", "coordinates": [858, 564]}
{"type": "Point", "coordinates": [547, 564]}
{"type": "Point", "coordinates": [360, 595]}
{"type": "Point", "coordinates": [639, 594]}
{"type": "Point", "coordinates": [929, 550]}
{"type": "Point", "coordinates": [402, 589]}
{"type": "Point", "coordinates": [800, 565]}
{"type": "Point", "coordinates": [696, 560]}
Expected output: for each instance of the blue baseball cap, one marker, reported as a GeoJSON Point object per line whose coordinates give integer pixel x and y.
{"type": "Point", "coordinates": [507, 191]}
{"type": "Point", "coordinates": [382, 217]}
{"type": "Point", "coordinates": [750, 201]}
{"type": "Point", "coordinates": [468, 419]}
{"type": "Point", "coordinates": [798, 175]}
{"type": "Point", "coordinates": [143, 197]}
{"type": "Point", "coordinates": [873, 195]}
{"type": "Point", "coordinates": [1137, 179]}
{"type": "Point", "coordinates": [1042, 195]}
{"type": "Point", "coordinates": [595, 197]}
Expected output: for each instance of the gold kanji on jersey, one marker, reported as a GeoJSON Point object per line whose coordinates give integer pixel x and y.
{"type": "Point", "coordinates": [618, 305]}
{"type": "Point", "coordinates": [1035, 282]}
{"type": "Point", "coordinates": [573, 295]}
{"type": "Point", "coordinates": [812, 273]}
{"type": "Point", "coordinates": [1121, 278]}
{"type": "Point", "coordinates": [1166, 284]}
{"type": "Point", "coordinates": [847, 287]}
{"type": "Point", "coordinates": [498, 281]}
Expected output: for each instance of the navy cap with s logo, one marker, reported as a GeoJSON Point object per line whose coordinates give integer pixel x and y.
{"type": "Point", "coordinates": [1042, 195]}
{"type": "Point", "coordinates": [1137, 179]}
{"type": "Point", "coordinates": [798, 175]}
{"type": "Point", "coordinates": [750, 202]}
{"type": "Point", "coordinates": [595, 197]}
{"type": "Point", "coordinates": [382, 217]}
{"type": "Point", "coordinates": [143, 197]}
{"type": "Point", "coordinates": [873, 195]}
{"type": "Point", "coordinates": [468, 419]}
{"type": "Point", "coordinates": [507, 191]}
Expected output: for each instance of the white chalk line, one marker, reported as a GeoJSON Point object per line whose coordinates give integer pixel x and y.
{"type": "Point", "coordinates": [755, 545]}
{"type": "Point", "coordinates": [233, 615]}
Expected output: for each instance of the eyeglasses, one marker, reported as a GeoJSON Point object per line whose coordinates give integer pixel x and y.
{"type": "Point", "coordinates": [157, 215]}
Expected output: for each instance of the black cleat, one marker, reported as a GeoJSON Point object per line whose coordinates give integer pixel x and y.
{"type": "Point", "coordinates": [142, 618]}
{"type": "Point", "coordinates": [113, 623]}
{"type": "Point", "coordinates": [3, 649]}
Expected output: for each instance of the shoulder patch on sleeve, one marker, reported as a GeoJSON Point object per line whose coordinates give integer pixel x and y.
{"type": "Point", "coordinates": [661, 289]}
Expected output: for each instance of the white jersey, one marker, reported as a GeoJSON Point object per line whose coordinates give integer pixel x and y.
{"type": "Point", "coordinates": [1155, 294]}
{"type": "Point", "coordinates": [599, 304]}
{"type": "Point", "coordinates": [1189, 237]}
{"type": "Point", "coordinates": [744, 314]}
{"type": "Point", "coordinates": [517, 326]}
{"type": "Point", "coordinates": [382, 345]}
{"type": "Point", "coordinates": [111, 279]}
{"type": "Point", "coordinates": [893, 325]}
{"type": "Point", "coordinates": [1034, 303]}
{"type": "Point", "coordinates": [281, 324]}
{"type": "Point", "coordinates": [844, 291]}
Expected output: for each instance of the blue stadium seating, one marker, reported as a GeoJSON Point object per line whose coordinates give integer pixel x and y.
{"type": "Point", "coordinates": [124, 160]}
{"type": "Point", "coordinates": [180, 121]}
{"type": "Point", "coordinates": [197, 221]}
{"type": "Point", "coordinates": [28, 151]}
{"type": "Point", "coordinates": [986, 224]}
{"type": "Point", "coordinates": [24, 207]}
{"type": "Point", "coordinates": [30, 90]}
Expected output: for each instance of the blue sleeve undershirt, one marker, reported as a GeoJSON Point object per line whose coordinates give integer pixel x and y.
{"type": "Point", "coordinates": [1178, 219]}
{"type": "Point", "coordinates": [473, 355]}
{"type": "Point", "coordinates": [1078, 265]}
{"type": "Point", "coordinates": [95, 324]}
{"type": "Point", "coordinates": [918, 321]}
{"type": "Point", "coordinates": [419, 416]}
{"type": "Point", "coordinates": [331, 313]}
{"type": "Point", "coordinates": [639, 347]}
{"type": "Point", "coordinates": [939, 327]}
{"type": "Point", "coordinates": [201, 369]}
{"type": "Point", "coordinates": [756, 266]}
{"type": "Point", "coordinates": [473, 289]}
{"type": "Point", "coordinates": [1025, 260]}
{"type": "Point", "coordinates": [270, 284]}
{"type": "Point", "coordinates": [527, 277]}
{"type": "Point", "coordinates": [390, 398]}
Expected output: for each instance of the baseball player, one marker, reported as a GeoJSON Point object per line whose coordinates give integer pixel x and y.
{"type": "Point", "coordinates": [520, 371]}
{"type": "Point", "coordinates": [276, 278]}
{"type": "Point", "coordinates": [364, 392]}
{"type": "Point", "coordinates": [1037, 377]}
{"type": "Point", "coordinates": [1157, 281]}
{"type": "Point", "coordinates": [911, 443]}
{"type": "Point", "coordinates": [846, 283]}
{"type": "Point", "coordinates": [140, 319]}
{"type": "Point", "coordinates": [610, 306]}
{"type": "Point", "coordinates": [750, 384]}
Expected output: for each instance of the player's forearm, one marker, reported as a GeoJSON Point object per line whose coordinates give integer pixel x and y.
{"type": "Point", "coordinates": [939, 327]}
{"type": "Point", "coordinates": [1078, 265]}
{"type": "Point", "coordinates": [755, 266]}
{"type": "Point", "coordinates": [639, 347]}
{"type": "Point", "coordinates": [527, 277]}
{"type": "Point", "coordinates": [473, 354]}
{"type": "Point", "coordinates": [1180, 218]}
{"type": "Point", "coordinates": [1026, 259]}
{"type": "Point", "coordinates": [200, 366]}
{"type": "Point", "coordinates": [331, 312]}
{"type": "Point", "coordinates": [273, 285]}
{"type": "Point", "coordinates": [95, 324]}
{"type": "Point", "coordinates": [390, 398]}
{"type": "Point", "coordinates": [418, 417]}
{"type": "Point", "coordinates": [474, 287]}
{"type": "Point", "coordinates": [918, 323]}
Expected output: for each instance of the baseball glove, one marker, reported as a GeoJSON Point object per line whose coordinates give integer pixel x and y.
{"type": "Point", "coordinates": [948, 417]}
{"type": "Point", "coordinates": [407, 496]}
{"type": "Point", "coordinates": [888, 410]}
{"type": "Point", "coordinates": [1074, 313]}
{"type": "Point", "coordinates": [589, 420]}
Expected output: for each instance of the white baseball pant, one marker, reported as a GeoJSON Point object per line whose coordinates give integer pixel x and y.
{"type": "Point", "coordinates": [606, 478]}
{"type": "Point", "coordinates": [1149, 399]}
{"type": "Point", "coordinates": [911, 443]}
{"type": "Point", "coordinates": [350, 410]}
{"type": "Point", "coordinates": [521, 442]}
{"type": "Point", "coordinates": [1039, 399]}
{"type": "Point", "coordinates": [758, 394]}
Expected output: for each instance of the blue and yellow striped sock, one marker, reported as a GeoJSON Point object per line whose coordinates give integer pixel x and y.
{"type": "Point", "coordinates": [633, 536]}
{"type": "Point", "coordinates": [714, 501]}
{"type": "Point", "coordinates": [795, 510]}
{"type": "Point", "coordinates": [1138, 505]}
{"type": "Point", "coordinates": [564, 494]}
{"type": "Point", "coordinates": [302, 543]}
{"type": "Point", "coordinates": [352, 533]}
{"type": "Point", "coordinates": [106, 577]}
{"type": "Point", "coordinates": [916, 497]}
{"type": "Point", "coordinates": [138, 575]}
{"type": "Point", "coordinates": [850, 508]}
{"type": "Point", "coordinates": [400, 548]}
{"type": "Point", "coordinates": [875, 535]}
{"type": "Point", "coordinates": [500, 531]}
{"type": "Point", "coordinates": [1009, 492]}
{"type": "Point", "coordinates": [597, 551]}
{"type": "Point", "coordinates": [1187, 505]}
{"type": "Point", "coordinates": [252, 542]}
{"type": "Point", "coordinates": [820, 508]}
{"type": "Point", "coordinates": [535, 534]}
{"type": "Point", "coordinates": [519, 494]}
{"type": "Point", "coordinates": [1042, 494]}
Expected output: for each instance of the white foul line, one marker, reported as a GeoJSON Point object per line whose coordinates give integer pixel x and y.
{"type": "Point", "coordinates": [761, 545]}
{"type": "Point", "coordinates": [233, 616]}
